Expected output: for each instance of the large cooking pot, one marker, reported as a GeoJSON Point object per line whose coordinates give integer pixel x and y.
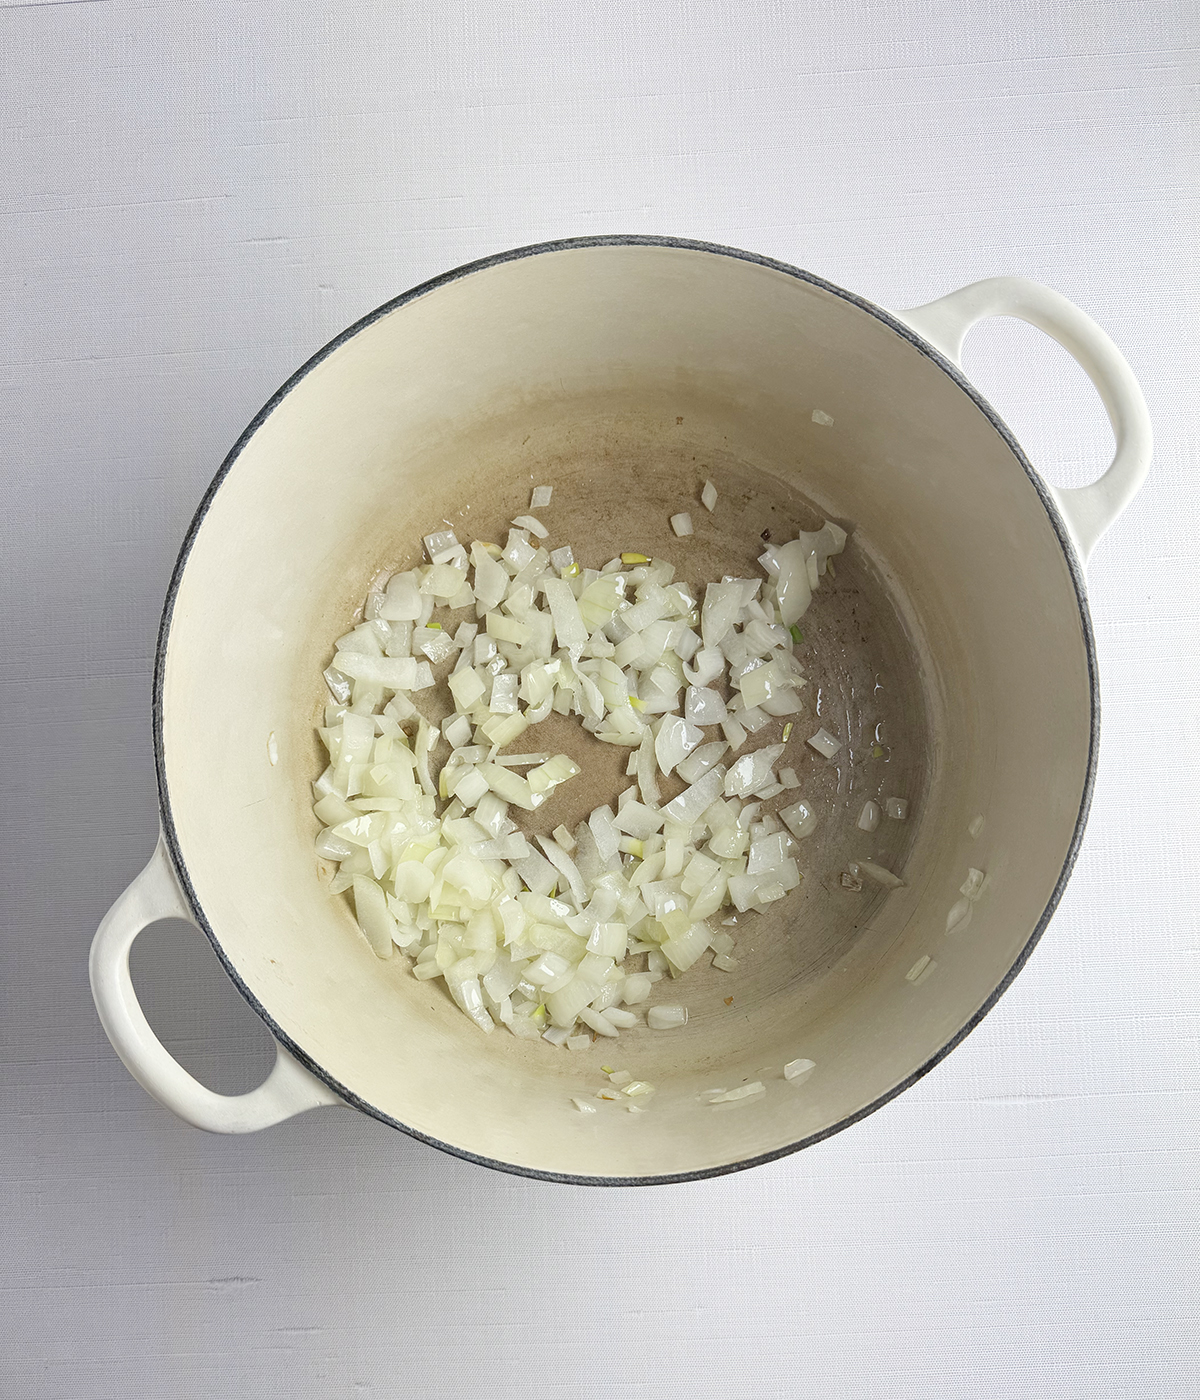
{"type": "Point", "coordinates": [954, 652]}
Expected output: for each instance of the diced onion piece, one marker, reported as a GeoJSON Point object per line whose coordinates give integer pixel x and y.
{"type": "Point", "coordinates": [507, 629]}
{"type": "Point", "coordinates": [746, 1091]}
{"type": "Point", "coordinates": [598, 1021]}
{"type": "Point", "coordinates": [470, 786]}
{"type": "Point", "coordinates": [441, 545]}
{"type": "Point", "coordinates": [682, 523]}
{"type": "Point", "coordinates": [974, 884]}
{"type": "Point", "coordinates": [563, 863]}
{"type": "Point", "coordinates": [692, 802]}
{"type": "Point", "coordinates": [897, 808]}
{"type": "Point", "coordinates": [564, 838]}
{"type": "Point", "coordinates": [752, 719]}
{"type": "Point", "coordinates": [683, 950]}
{"type": "Point", "coordinates": [869, 817]}
{"type": "Point", "coordinates": [508, 786]}
{"type": "Point", "coordinates": [700, 760]}
{"type": "Point", "coordinates": [751, 771]}
{"type": "Point", "coordinates": [720, 611]}
{"type": "Point", "coordinates": [767, 853]}
{"type": "Point", "coordinates": [973, 830]}
{"type": "Point", "coordinates": [798, 1069]}
{"type": "Point", "coordinates": [920, 969]}
{"type": "Point", "coordinates": [540, 497]}
{"type": "Point", "coordinates": [393, 672]}
{"type": "Point", "coordinates": [374, 917]}
{"type": "Point", "coordinates": [532, 524]}
{"type": "Point", "coordinates": [960, 915]}
{"type": "Point", "coordinates": [636, 988]}
{"type": "Point", "coordinates": [457, 730]}
{"type": "Point", "coordinates": [602, 827]}
{"type": "Point", "coordinates": [402, 601]}
{"type": "Point", "coordinates": [709, 496]}
{"type": "Point", "coordinates": [638, 820]}
{"type": "Point", "coordinates": [504, 694]}
{"type": "Point", "coordinates": [824, 743]}
{"type": "Point", "coordinates": [800, 818]}
{"type": "Point", "coordinates": [878, 874]}
{"type": "Point", "coordinates": [734, 733]}
{"type": "Point", "coordinates": [820, 416]}
{"type": "Point", "coordinates": [443, 580]}
{"type": "Point", "coordinates": [676, 739]}
{"type": "Point", "coordinates": [433, 643]}
{"type": "Point", "coordinates": [792, 584]}
{"type": "Point", "coordinates": [666, 1018]}
{"type": "Point", "coordinates": [491, 578]}
{"type": "Point", "coordinates": [703, 706]}
{"type": "Point", "coordinates": [569, 626]}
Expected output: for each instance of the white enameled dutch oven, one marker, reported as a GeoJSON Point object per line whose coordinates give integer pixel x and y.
{"type": "Point", "coordinates": [953, 653]}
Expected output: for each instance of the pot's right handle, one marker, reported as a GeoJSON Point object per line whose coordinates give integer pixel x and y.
{"type": "Point", "coordinates": [1088, 510]}
{"type": "Point", "coordinates": [289, 1088]}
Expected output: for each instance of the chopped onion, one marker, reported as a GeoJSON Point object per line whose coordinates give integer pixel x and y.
{"type": "Point", "coordinates": [878, 874]}
{"type": "Point", "coordinates": [532, 524]}
{"type": "Point", "coordinates": [920, 969]}
{"type": "Point", "coordinates": [676, 739]}
{"type": "Point", "coordinates": [536, 937]}
{"type": "Point", "coordinates": [540, 497]}
{"type": "Point", "coordinates": [868, 819]}
{"type": "Point", "coordinates": [798, 1069]}
{"type": "Point", "coordinates": [636, 819]}
{"type": "Point", "coordinates": [751, 770]}
{"type": "Point", "coordinates": [402, 601]}
{"type": "Point", "coordinates": [973, 830]}
{"type": "Point", "coordinates": [636, 989]}
{"type": "Point", "coordinates": [824, 743]}
{"type": "Point", "coordinates": [690, 805]}
{"type": "Point", "coordinates": [700, 760]}
{"type": "Point", "coordinates": [703, 706]}
{"type": "Point", "coordinates": [960, 915]}
{"type": "Point", "coordinates": [819, 416]}
{"type": "Point", "coordinates": [746, 1091]}
{"type": "Point", "coordinates": [897, 808]}
{"type": "Point", "coordinates": [709, 496]}
{"type": "Point", "coordinates": [569, 626]}
{"type": "Point", "coordinates": [682, 523]}
{"type": "Point", "coordinates": [974, 885]}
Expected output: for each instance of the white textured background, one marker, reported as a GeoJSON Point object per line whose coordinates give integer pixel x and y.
{"type": "Point", "coordinates": [194, 197]}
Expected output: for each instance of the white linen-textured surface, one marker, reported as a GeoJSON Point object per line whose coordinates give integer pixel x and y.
{"type": "Point", "coordinates": [195, 197]}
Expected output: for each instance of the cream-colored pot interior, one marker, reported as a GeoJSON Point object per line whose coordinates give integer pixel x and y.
{"type": "Point", "coordinates": [954, 637]}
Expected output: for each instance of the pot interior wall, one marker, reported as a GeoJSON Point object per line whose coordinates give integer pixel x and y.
{"type": "Point", "coordinates": [625, 376]}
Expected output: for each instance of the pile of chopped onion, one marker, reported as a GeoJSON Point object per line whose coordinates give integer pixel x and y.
{"type": "Point", "coordinates": [543, 933]}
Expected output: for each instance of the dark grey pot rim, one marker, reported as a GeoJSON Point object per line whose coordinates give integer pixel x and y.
{"type": "Point", "coordinates": [715, 250]}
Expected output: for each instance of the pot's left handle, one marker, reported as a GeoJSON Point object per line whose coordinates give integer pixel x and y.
{"type": "Point", "coordinates": [289, 1088]}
